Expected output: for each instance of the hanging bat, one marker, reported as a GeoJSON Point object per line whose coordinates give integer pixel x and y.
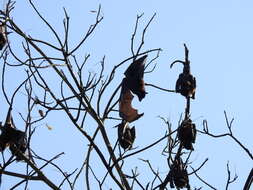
{"type": "Point", "coordinates": [19, 143]}
{"type": "Point", "coordinates": [186, 83]}
{"type": "Point", "coordinates": [10, 136]}
{"type": "Point", "coordinates": [187, 134]}
{"type": "Point", "coordinates": [4, 139]}
{"type": "Point", "coordinates": [177, 176]}
{"type": "Point", "coordinates": [6, 130]}
{"type": "Point", "coordinates": [134, 77]}
{"type": "Point", "coordinates": [126, 136]}
{"type": "Point", "coordinates": [3, 37]}
{"type": "Point", "coordinates": [126, 111]}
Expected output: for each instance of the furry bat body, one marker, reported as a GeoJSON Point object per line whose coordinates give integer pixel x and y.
{"type": "Point", "coordinates": [126, 135]}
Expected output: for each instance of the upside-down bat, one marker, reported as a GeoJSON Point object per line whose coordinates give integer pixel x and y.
{"type": "Point", "coordinates": [187, 134]}
{"type": "Point", "coordinates": [186, 83]}
{"type": "Point", "coordinates": [177, 176]}
{"type": "Point", "coordinates": [20, 143]}
{"type": "Point", "coordinates": [5, 131]}
{"type": "Point", "coordinates": [134, 77]}
{"type": "Point", "coordinates": [126, 135]}
{"type": "Point", "coordinates": [126, 111]}
{"type": "Point", "coordinates": [12, 137]}
{"type": "Point", "coordinates": [3, 37]}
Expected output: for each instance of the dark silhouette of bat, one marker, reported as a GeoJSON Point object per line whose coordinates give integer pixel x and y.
{"type": "Point", "coordinates": [126, 111]}
{"type": "Point", "coordinates": [187, 134]}
{"type": "Point", "coordinates": [126, 135]}
{"type": "Point", "coordinates": [12, 137]}
{"type": "Point", "coordinates": [186, 83]}
{"type": "Point", "coordinates": [6, 130]}
{"type": "Point", "coordinates": [20, 144]}
{"type": "Point", "coordinates": [134, 77]}
{"type": "Point", "coordinates": [177, 176]}
{"type": "Point", "coordinates": [3, 37]}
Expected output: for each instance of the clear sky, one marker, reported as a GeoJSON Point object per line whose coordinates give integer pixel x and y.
{"type": "Point", "coordinates": [219, 37]}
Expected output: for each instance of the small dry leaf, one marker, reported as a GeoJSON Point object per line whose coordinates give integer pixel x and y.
{"type": "Point", "coordinates": [49, 127]}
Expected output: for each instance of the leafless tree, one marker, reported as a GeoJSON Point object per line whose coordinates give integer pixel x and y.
{"type": "Point", "coordinates": [87, 98]}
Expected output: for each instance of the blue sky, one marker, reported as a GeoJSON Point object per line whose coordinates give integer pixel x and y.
{"type": "Point", "coordinates": [219, 37]}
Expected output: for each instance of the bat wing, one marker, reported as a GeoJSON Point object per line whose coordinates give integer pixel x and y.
{"type": "Point", "coordinates": [136, 69]}
{"type": "Point", "coordinates": [120, 130]}
{"type": "Point", "coordinates": [125, 135]}
{"type": "Point", "coordinates": [126, 111]}
{"type": "Point", "coordinates": [185, 135]}
{"type": "Point", "coordinates": [9, 120]}
{"type": "Point", "coordinates": [178, 83]}
{"type": "Point", "coordinates": [132, 130]}
{"type": "Point", "coordinates": [134, 77]}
